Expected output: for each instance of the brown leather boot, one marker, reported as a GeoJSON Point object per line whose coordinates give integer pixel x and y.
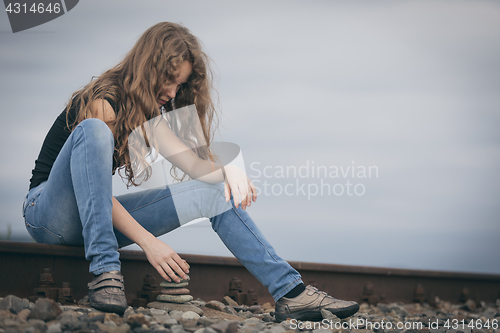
{"type": "Point", "coordinates": [107, 292]}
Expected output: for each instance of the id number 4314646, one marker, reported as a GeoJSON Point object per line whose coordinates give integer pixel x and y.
{"type": "Point", "coordinates": [36, 8]}
{"type": "Point", "coordinates": [473, 323]}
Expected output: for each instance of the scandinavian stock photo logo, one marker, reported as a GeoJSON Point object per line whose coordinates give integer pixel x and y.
{"type": "Point", "coordinates": [310, 179]}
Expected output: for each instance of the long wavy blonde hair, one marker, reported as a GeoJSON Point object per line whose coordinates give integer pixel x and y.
{"type": "Point", "coordinates": [134, 85]}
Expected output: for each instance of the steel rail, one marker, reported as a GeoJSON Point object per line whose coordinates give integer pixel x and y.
{"type": "Point", "coordinates": [22, 263]}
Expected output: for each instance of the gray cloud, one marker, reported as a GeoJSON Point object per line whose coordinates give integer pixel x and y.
{"type": "Point", "coordinates": [408, 86]}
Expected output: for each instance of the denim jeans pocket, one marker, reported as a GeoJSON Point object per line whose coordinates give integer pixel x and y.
{"type": "Point", "coordinates": [44, 235]}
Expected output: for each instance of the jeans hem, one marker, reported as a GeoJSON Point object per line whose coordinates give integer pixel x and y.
{"type": "Point", "coordinates": [287, 289]}
{"type": "Point", "coordinates": [106, 269]}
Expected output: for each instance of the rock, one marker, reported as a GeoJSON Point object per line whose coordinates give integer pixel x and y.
{"type": "Point", "coordinates": [321, 330]}
{"type": "Point", "coordinates": [470, 305]}
{"type": "Point", "coordinates": [207, 321]}
{"type": "Point", "coordinates": [276, 328]}
{"type": "Point", "coordinates": [163, 319]}
{"type": "Point", "coordinates": [169, 322]}
{"type": "Point", "coordinates": [174, 298]}
{"type": "Point", "coordinates": [212, 313]}
{"type": "Point", "coordinates": [6, 314]}
{"type": "Point", "coordinates": [287, 325]}
{"type": "Point", "coordinates": [128, 312]}
{"type": "Point", "coordinates": [70, 321]}
{"type": "Point", "coordinates": [166, 284]}
{"type": "Point", "coordinates": [398, 310]}
{"type": "Point", "coordinates": [175, 291]}
{"type": "Point", "coordinates": [257, 309]}
{"type": "Point", "coordinates": [54, 328]}
{"type": "Point", "coordinates": [205, 330]}
{"type": "Point", "coordinates": [188, 324]}
{"type": "Point", "coordinates": [96, 317]}
{"type": "Point", "coordinates": [216, 305]}
{"type": "Point", "coordinates": [176, 314]}
{"type": "Point", "coordinates": [14, 304]}
{"type": "Point", "coordinates": [113, 317]}
{"type": "Point", "coordinates": [142, 329]}
{"type": "Point", "coordinates": [268, 318]}
{"type": "Point", "coordinates": [84, 300]}
{"type": "Point", "coordinates": [23, 315]}
{"type": "Point", "coordinates": [105, 328]}
{"type": "Point", "coordinates": [11, 324]}
{"type": "Point", "coordinates": [45, 309]}
{"type": "Point", "coordinates": [157, 328]}
{"type": "Point", "coordinates": [142, 310]}
{"type": "Point", "coordinates": [177, 329]}
{"type": "Point", "coordinates": [27, 330]}
{"type": "Point", "coordinates": [230, 326]}
{"type": "Point", "coordinates": [250, 321]}
{"type": "Point", "coordinates": [125, 328]}
{"type": "Point", "coordinates": [187, 279]}
{"type": "Point", "coordinates": [137, 320]}
{"type": "Point", "coordinates": [250, 330]}
{"type": "Point", "coordinates": [245, 314]}
{"type": "Point", "coordinates": [329, 316]}
{"type": "Point", "coordinates": [189, 319]}
{"type": "Point", "coordinates": [489, 313]}
{"type": "Point", "coordinates": [229, 301]}
{"type": "Point", "coordinates": [267, 306]}
{"type": "Point", "coordinates": [383, 307]}
{"type": "Point", "coordinates": [190, 315]}
{"type": "Point", "coordinates": [38, 324]}
{"type": "Point", "coordinates": [198, 302]}
{"type": "Point", "coordinates": [230, 309]}
{"type": "Point", "coordinates": [157, 312]}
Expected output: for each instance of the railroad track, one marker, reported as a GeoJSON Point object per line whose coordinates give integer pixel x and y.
{"type": "Point", "coordinates": [22, 263]}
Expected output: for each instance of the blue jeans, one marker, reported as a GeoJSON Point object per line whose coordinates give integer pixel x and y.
{"type": "Point", "coordinates": [73, 207]}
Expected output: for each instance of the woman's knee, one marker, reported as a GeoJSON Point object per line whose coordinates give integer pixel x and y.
{"type": "Point", "coordinates": [96, 126]}
{"type": "Point", "coordinates": [98, 131]}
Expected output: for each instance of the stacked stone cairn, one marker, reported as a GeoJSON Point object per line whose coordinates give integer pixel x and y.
{"type": "Point", "coordinates": [175, 292]}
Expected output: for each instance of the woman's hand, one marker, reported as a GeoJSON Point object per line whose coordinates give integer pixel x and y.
{"type": "Point", "coordinates": [160, 255]}
{"type": "Point", "coordinates": [240, 186]}
{"type": "Point", "coordinates": [165, 260]}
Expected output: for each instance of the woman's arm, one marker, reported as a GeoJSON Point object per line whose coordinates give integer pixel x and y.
{"type": "Point", "coordinates": [181, 156]}
{"type": "Point", "coordinates": [160, 255]}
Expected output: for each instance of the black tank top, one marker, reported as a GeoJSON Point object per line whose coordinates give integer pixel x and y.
{"type": "Point", "coordinates": [54, 141]}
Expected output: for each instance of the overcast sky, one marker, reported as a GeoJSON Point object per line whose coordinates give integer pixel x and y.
{"type": "Point", "coordinates": [410, 88]}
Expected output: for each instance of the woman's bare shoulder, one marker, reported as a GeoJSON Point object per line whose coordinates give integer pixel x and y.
{"type": "Point", "coordinates": [101, 109]}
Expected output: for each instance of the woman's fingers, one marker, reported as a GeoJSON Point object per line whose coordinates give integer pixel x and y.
{"type": "Point", "coordinates": [177, 272]}
{"type": "Point", "coordinates": [180, 266]}
{"type": "Point", "coordinates": [244, 195]}
{"type": "Point", "coordinates": [240, 187]}
{"type": "Point", "coordinates": [162, 273]}
{"type": "Point", "coordinates": [166, 261]}
{"type": "Point", "coordinates": [235, 193]}
{"type": "Point", "coordinates": [249, 193]}
{"type": "Point", "coordinates": [253, 190]}
{"type": "Point", "coordinates": [171, 271]}
{"type": "Point", "coordinates": [168, 270]}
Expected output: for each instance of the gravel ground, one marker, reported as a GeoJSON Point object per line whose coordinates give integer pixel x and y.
{"type": "Point", "coordinates": [47, 316]}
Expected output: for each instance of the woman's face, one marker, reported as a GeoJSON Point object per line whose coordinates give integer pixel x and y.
{"type": "Point", "coordinates": [169, 89]}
